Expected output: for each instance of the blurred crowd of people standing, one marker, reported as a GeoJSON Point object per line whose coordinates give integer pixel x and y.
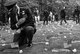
{"type": "Point", "coordinates": [62, 15]}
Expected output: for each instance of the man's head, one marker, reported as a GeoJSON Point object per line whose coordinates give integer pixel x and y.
{"type": "Point", "coordinates": [77, 7]}
{"type": "Point", "coordinates": [10, 4]}
{"type": "Point", "coordinates": [23, 12]}
{"type": "Point", "coordinates": [64, 7]}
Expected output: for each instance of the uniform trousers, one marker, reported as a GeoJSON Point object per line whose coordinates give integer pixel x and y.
{"type": "Point", "coordinates": [25, 36]}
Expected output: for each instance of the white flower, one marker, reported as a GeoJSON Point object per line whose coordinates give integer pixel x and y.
{"type": "Point", "coordinates": [3, 44]}
{"type": "Point", "coordinates": [65, 37]}
{"type": "Point", "coordinates": [74, 50]}
{"type": "Point", "coordinates": [47, 43]}
{"type": "Point", "coordinates": [20, 51]}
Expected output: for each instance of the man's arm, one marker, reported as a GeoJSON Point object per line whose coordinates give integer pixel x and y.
{"type": "Point", "coordinates": [21, 21]}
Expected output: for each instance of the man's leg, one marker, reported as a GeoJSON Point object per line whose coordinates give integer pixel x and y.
{"type": "Point", "coordinates": [16, 37]}
{"type": "Point", "coordinates": [51, 19]}
{"type": "Point", "coordinates": [29, 34]}
{"type": "Point", "coordinates": [38, 18]}
{"type": "Point", "coordinates": [44, 21]}
{"type": "Point", "coordinates": [15, 40]}
{"type": "Point", "coordinates": [65, 21]}
{"type": "Point", "coordinates": [47, 20]}
{"type": "Point", "coordinates": [22, 37]}
{"type": "Point", "coordinates": [61, 22]}
{"type": "Point", "coordinates": [78, 18]}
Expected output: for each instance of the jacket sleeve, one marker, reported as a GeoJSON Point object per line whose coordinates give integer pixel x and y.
{"type": "Point", "coordinates": [30, 19]}
{"type": "Point", "coordinates": [21, 21]}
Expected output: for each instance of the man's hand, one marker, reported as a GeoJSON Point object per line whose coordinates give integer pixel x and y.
{"type": "Point", "coordinates": [18, 31]}
{"type": "Point", "coordinates": [17, 26]}
{"type": "Point", "coordinates": [13, 27]}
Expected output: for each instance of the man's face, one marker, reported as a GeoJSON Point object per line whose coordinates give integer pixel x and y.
{"type": "Point", "coordinates": [63, 7]}
{"type": "Point", "coordinates": [23, 12]}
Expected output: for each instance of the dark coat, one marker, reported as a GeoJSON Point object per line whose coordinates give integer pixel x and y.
{"type": "Point", "coordinates": [76, 12]}
{"type": "Point", "coordinates": [29, 19]}
{"type": "Point", "coordinates": [62, 13]}
{"type": "Point", "coordinates": [12, 15]}
{"type": "Point", "coordinates": [46, 14]}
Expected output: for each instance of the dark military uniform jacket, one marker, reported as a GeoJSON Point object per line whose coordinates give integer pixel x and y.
{"type": "Point", "coordinates": [29, 20]}
{"type": "Point", "coordinates": [62, 13]}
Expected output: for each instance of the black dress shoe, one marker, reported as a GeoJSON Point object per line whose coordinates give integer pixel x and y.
{"type": "Point", "coordinates": [29, 45]}
{"type": "Point", "coordinates": [23, 46]}
{"type": "Point", "coordinates": [15, 48]}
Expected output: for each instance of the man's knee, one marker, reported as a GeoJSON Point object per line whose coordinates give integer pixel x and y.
{"type": "Point", "coordinates": [29, 29]}
{"type": "Point", "coordinates": [16, 37]}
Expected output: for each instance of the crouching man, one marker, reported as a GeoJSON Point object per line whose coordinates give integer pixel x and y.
{"type": "Point", "coordinates": [25, 30]}
{"type": "Point", "coordinates": [24, 26]}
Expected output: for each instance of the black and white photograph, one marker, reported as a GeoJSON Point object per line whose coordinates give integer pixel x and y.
{"type": "Point", "coordinates": [39, 26]}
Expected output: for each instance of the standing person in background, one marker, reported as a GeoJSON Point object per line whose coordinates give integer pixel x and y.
{"type": "Point", "coordinates": [76, 14]}
{"type": "Point", "coordinates": [56, 17]}
{"type": "Point", "coordinates": [51, 16]}
{"type": "Point", "coordinates": [36, 13]}
{"type": "Point", "coordinates": [46, 15]}
{"type": "Point", "coordinates": [63, 14]}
